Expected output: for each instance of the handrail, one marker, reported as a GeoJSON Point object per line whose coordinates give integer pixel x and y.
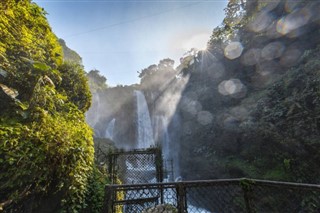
{"type": "Point", "coordinates": [239, 195]}
{"type": "Point", "coordinates": [221, 181]}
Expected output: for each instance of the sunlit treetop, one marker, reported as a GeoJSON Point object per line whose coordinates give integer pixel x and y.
{"type": "Point", "coordinates": [25, 32]}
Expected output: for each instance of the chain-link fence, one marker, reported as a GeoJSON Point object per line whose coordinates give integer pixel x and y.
{"type": "Point", "coordinates": [136, 166]}
{"type": "Point", "coordinates": [234, 195]}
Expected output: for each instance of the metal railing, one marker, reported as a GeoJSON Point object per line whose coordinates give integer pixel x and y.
{"type": "Point", "coordinates": [229, 195]}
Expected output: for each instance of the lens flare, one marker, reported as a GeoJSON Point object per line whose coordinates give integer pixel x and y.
{"type": "Point", "coordinates": [293, 21]}
{"type": "Point", "coordinates": [272, 32]}
{"type": "Point", "coordinates": [233, 87]}
{"type": "Point", "coordinates": [191, 106]}
{"type": "Point", "coordinates": [233, 50]}
{"type": "Point", "coordinates": [204, 117]}
{"type": "Point", "coordinates": [261, 22]}
{"type": "Point", "coordinates": [198, 41]}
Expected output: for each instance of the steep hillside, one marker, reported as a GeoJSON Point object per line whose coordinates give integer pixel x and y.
{"type": "Point", "coordinates": [250, 107]}
{"type": "Point", "coordinates": [46, 147]}
{"type": "Point", "coordinates": [272, 133]}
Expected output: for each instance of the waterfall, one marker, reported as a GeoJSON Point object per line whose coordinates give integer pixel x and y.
{"type": "Point", "coordinates": [109, 130]}
{"type": "Point", "coordinates": [144, 128]}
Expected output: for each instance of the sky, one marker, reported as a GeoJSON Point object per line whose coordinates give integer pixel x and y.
{"type": "Point", "coordinates": [121, 37]}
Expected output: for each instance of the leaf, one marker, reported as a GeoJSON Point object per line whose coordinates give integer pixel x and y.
{"type": "Point", "coordinates": [9, 91]}
{"type": "Point", "coordinates": [3, 57]}
{"type": "Point", "coordinates": [23, 106]}
{"type": "Point", "coordinates": [27, 60]}
{"type": "Point", "coordinates": [41, 66]}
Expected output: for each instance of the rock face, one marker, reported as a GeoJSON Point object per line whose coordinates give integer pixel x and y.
{"type": "Point", "coordinates": [269, 134]}
{"type": "Point", "coordinates": [233, 126]}
{"type": "Point", "coordinates": [114, 103]}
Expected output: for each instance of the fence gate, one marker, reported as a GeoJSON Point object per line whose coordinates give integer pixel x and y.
{"type": "Point", "coordinates": [136, 166]}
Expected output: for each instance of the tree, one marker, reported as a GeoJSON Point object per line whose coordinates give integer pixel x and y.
{"type": "Point", "coordinates": [96, 81]}
{"type": "Point", "coordinates": [75, 84]}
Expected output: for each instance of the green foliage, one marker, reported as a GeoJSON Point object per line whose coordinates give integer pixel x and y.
{"type": "Point", "coordinates": [283, 145]}
{"type": "Point", "coordinates": [75, 85]}
{"type": "Point", "coordinates": [95, 194]}
{"type": "Point", "coordinates": [46, 147]}
{"type": "Point", "coordinates": [52, 154]}
{"type": "Point", "coordinates": [156, 78]}
{"type": "Point", "coordinates": [26, 42]}
{"type": "Point", "coordinates": [97, 82]}
{"type": "Point", "coordinates": [235, 13]}
{"type": "Point", "coordinates": [148, 71]}
{"type": "Point", "coordinates": [25, 32]}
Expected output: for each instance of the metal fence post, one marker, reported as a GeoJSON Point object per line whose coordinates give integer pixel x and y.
{"type": "Point", "coordinates": [159, 164]}
{"type": "Point", "coordinates": [159, 170]}
{"type": "Point", "coordinates": [246, 186]}
{"type": "Point", "coordinates": [181, 198]}
{"type": "Point", "coordinates": [108, 203]}
{"type": "Point", "coordinates": [110, 165]}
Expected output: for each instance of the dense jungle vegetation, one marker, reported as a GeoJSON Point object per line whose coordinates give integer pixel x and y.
{"type": "Point", "coordinates": [46, 146]}
{"type": "Point", "coordinates": [248, 106]}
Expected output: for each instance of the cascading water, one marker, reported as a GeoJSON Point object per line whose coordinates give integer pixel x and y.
{"type": "Point", "coordinates": [144, 128]}
{"type": "Point", "coordinates": [140, 167]}
{"type": "Point", "coordinates": [109, 130]}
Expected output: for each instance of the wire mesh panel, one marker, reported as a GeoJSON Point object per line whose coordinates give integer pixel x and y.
{"type": "Point", "coordinates": [137, 166]}
{"type": "Point", "coordinates": [282, 197]}
{"type": "Point", "coordinates": [143, 198]}
{"type": "Point", "coordinates": [207, 198]}
{"type": "Point", "coordinates": [214, 196]}
{"type": "Point", "coordinates": [140, 168]}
